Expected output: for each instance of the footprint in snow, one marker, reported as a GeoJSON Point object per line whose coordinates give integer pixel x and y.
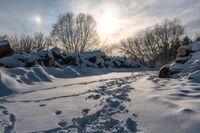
{"type": "Point", "coordinates": [85, 111]}
{"type": "Point", "coordinates": [9, 127]}
{"type": "Point", "coordinates": [62, 123]}
{"type": "Point", "coordinates": [58, 112]}
{"type": "Point", "coordinates": [42, 105]}
{"type": "Point", "coordinates": [131, 125]}
{"type": "Point", "coordinates": [95, 97]}
{"type": "Point", "coordinates": [102, 120]}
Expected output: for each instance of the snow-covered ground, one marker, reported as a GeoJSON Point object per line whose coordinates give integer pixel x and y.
{"type": "Point", "coordinates": [106, 100]}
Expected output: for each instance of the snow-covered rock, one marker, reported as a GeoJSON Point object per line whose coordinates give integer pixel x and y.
{"type": "Point", "coordinates": [15, 60]}
{"type": "Point", "coordinates": [97, 54]}
{"type": "Point", "coordinates": [186, 63]}
{"type": "Point", "coordinates": [5, 48]}
{"type": "Point", "coordinates": [56, 57]}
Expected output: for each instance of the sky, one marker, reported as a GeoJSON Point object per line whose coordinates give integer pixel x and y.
{"type": "Point", "coordinates": [116, 19]}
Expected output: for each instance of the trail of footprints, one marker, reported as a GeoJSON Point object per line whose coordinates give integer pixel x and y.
{"type": "Point", "coordinates": [112, 97]}
{"type": "Point", "coordinates": [7, 121]}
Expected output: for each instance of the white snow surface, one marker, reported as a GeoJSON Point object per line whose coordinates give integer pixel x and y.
{"type": "Point", "coordinates": [3, 42]}
{"type": "Point", "coordinates": [196, 46]}
{"type": "Point", "coordinates": [41, 99]}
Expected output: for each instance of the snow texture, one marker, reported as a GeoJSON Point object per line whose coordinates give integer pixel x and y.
{"type": "Point", "coordinates": [114, 102]}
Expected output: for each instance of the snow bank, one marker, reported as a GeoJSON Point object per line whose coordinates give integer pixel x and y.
{"type": "Point", "coordinates": [15, 79]}
{"type": "Point", "coordinates": [43, 66]}
{"type": "Point", "coordinates": [20, 79]}
{"type": "Point", "coordinates": [7, 83]}
{"type": "Point", "coordinates": [187, 62]}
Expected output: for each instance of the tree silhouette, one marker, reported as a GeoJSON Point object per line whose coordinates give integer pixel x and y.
{"type": "Point", "coordinates": [76, 34]}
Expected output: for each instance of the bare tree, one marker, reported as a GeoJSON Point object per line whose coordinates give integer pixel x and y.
{"type": "Point", "coordinates": [39, 42]}
{"type": "Point", "coordinates": [76, 34]}
{"type": "Point", "coordinates": [168, 33]}
{"type": "Point", "coordinates": [27, 43]}
{"type": "Point", "coordinates": [197, 38]}
{"type": "Point", "coordinates": [155, 46]}
{"type": "Point", "coordinates": [186, 40]}
{"type": "Point", "coordinates": [49, 41]}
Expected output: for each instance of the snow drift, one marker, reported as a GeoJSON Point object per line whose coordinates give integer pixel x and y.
{"type": "Point", "coordinates": [23, 68]}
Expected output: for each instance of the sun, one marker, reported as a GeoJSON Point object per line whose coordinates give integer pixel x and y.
{"type": "Point", "coordinates": [38, 19]}
{"type": "Point", "coordinates": [108, 23]}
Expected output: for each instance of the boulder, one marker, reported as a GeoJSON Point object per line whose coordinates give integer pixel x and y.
{"type": "Point", "coordinates": [69, 60]}
{"type": "Point", "coordinates": [46, 58]}
{"type": "Point", "coordinates": [5, 48]}
{"type": "Point", "coordinates": [117, 63]}
{"type": "Point", "coordinates": [48, 61]}
{"type": "Point", "coordinates": [56, 53]}
{"type": "Point", "coordinates": [30, 64]}
{"type": "Point", "coordinates": [169, 70]}
{"type": "Point", "coordinates": [93, 59]}
{"type": "Point", "coordinates": [164, 72]}
{"type": "Point", "coordinates": [182, 52]}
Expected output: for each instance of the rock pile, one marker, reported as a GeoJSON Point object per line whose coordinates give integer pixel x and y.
{"type": "Point", "coordinates": [58, 58]}
{"type": "Point", "coordinates": [187, 61]}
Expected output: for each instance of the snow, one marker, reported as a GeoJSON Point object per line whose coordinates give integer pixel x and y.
{"type": "Point", "coordinates": [167, 106]}
{"type": "Point", "coordinates": [3, 42]}
{"type": "Point", "coordinates": [195, 56]}
{"type": "Point", "coordinates": [88, 55]}
{"type": "Point", "coordinates": [195, 46]}
{"type": "Point", "coordinates": [195, 76]}
{"type": "Point", "coordinates": [178, 58]}
{"type": "Point", "coordinates": [12, 61]}
{"type": "Point", "coordinates": [176, 67]}
{"type": "Point", "coordinates": [73, 99]}
{"type": "Point", "coordinates": [44, 53]}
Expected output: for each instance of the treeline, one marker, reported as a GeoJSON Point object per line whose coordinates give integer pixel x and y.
{"type": "Point", "coordinates": [70, 33]}
{"type": "Point", "coordinates": [28, 43]}
{"type": "Point", "coordinates": [157, 45]}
